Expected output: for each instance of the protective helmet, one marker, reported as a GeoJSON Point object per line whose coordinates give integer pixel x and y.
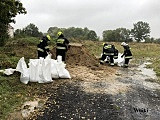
{"type": "Point", "coordinates": [124, 44]}
{"type": "Point", "coordinates": [104, 43]}
{"type": "Point", "coordinates": [48, 37]}
{"type": "Point", "coordinates": [59, 33]}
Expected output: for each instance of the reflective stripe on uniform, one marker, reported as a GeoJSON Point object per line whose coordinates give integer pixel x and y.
{"type": "Point", "coordinates": [111, 63]}
{"type": "Point", "coordinates": [126, 65]}
{"type": "Point", "coordinates": [128, 57]}
{"type": "Point", "coordinates": [108, 46]}
{"type": "Point", "coordinates": [108, 53]}
{"type": "Point", "coordinates": [115, 57]}
{"type": "Point", "coordinates": [47, 47]}
{"type": "Point", "coordinates": [39, 49]}
{"type": "Point", "coordinates": [62, 48]}
{"type": "Point", "coordinates": [60, 41]}
{"type": "Point", "coordinates": [101, 61]}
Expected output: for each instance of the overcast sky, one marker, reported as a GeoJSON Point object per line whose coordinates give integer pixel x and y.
{"type": "Point", "coordinates": [97, 15]}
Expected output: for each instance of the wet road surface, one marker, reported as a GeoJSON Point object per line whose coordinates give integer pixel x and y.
{"type": "Point", "coordinates": [72, 101]}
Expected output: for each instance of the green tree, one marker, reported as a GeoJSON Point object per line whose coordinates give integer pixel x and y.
{"type": "Point", "coordinates": [149, 40]}
{"type": "Point", "coordinates": [140, 31]}
{"type": "Point", "coordinates": [9, 9]}
{"type": "Point", "coordinates": [86, 31]}
{"type": "Point", "coordinates": [32, 30]}
{"type": "Point", "coordinates": [123, 34]}
{"type": "Point", "coordinates": [73, 33]}
{"type": "Point", "coordinates": [108, 35]}
{"type": "Point", "coordinates": [19, 33]}
{"type": "Point", "coordinates": [118, 35]}
{"type": "Point", "coordinates": [92, 35]}
{"type": "Point", "coordinates": [52, 31]}
{"type": "Point", "coordinates": [157, 40]}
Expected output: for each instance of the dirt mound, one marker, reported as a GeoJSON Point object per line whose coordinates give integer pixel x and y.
{"type": "Point", "coordinates": [80, 56]}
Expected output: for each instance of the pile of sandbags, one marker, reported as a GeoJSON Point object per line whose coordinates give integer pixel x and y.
{"type": "Point", "coordinates": [41, 70]}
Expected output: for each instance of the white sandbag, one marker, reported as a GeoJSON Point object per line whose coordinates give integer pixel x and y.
{"type": "Point", "coordinates": [9, 71]}
{"type": "Point", "coordinates": [22, 68]}
{"type": "Point", "coordinates": [59, 58]}
{"type": "Point", "coordinates": [24, 78]}
{"type": "Point", "coordinates": [34, 67]}
{"type": "Point", "coordinates": [21, 65]}
{"type": "Point", "coordinates": [45, 73]}
{"type": "Point", "coordinates": [54, 69]}
{"type": "Point", "coordinates": [119, 61]}
{"type": "Point", "coordinates": [63, 73]}
{"type": "Point", "coordinates": [49, 56]}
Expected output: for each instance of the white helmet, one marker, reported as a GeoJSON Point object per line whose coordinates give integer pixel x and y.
{"type": "Point", "coordinates": [124, 44]}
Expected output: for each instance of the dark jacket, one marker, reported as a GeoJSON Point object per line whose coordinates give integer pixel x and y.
{"type": "Point", "coordinates": [43, 47]}
{"type": "Point", "coordinates": [62, 43]}
{"type": "Point", "coordinates": [115, 53]}
{"type": "Point", "coordinates": [108, 49]}
{"type": "Point", "coordinates": [127, 52]}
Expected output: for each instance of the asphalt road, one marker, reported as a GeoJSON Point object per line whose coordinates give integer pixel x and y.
{"type": "Point", "coordinates": [71, 101]}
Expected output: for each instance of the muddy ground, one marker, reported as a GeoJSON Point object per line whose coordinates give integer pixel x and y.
{"type": "Point", "coordinates": [100, 92]}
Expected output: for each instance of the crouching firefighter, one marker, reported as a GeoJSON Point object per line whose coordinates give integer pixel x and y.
{"type": "Point", "coordinates": [62, 45]}
{"type": "Point", "coordinates": [127, 54]}
{"type": "Point", "coordinates": [108, 51]}
{"type": "Point", "coordinates": [42, 47]}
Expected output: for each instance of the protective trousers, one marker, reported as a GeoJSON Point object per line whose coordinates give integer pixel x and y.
{"type": "Point", "coordinates": [62, 53]}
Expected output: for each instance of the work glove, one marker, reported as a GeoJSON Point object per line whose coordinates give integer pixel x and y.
{"type": "Point", "coordinates": [122, 56]}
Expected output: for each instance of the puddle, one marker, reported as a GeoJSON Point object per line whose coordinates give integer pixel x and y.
{"type": "Point", "coordinates": [146, 71]}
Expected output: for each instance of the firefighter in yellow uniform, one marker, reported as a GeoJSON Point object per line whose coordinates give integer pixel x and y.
{"type": "Point", "coordinates": [62, 45]}
{"type": "Point", "coordinates": [42, 47]}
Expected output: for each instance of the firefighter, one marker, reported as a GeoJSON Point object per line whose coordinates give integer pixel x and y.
{"type": "Point", "coordinates": [42, 47]}
{"type": "Point", "coordinates": [62, 45]}
{"type": "Point", "coordinates": [127, 54]}
{"type": "Point", "coordinates": [115, 52]}
{"type": "Point", "coordinates": [108, 51]}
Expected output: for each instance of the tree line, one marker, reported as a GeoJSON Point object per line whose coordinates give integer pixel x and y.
{"type": "Point", "coordinates": [10, 8]}
{"type": "Point", "coordinates": [140, 32]}
{"type": "Point", "coordinates": [71, 32]}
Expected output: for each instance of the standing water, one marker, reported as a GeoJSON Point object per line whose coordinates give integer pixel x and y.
{"type": "Point", "coordinates": [145, 71]}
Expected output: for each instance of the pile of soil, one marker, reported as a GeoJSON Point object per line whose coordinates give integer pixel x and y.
{"type": "Point", "coordinates": [78, 55]}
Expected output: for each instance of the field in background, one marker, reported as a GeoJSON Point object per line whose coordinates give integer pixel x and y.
{"type": "Point", "coordinates": [13, 93]}
{"type": "Point", "coordinates": [142, 52]}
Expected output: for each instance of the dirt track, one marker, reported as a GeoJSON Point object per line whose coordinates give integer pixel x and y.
{"type": "Point", "coordinates": [101, 92]}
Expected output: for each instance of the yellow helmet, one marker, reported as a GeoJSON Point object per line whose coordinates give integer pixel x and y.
{"type": "Point", "coordinates": [48, 37]}
{"type": "Point", "coordinates": [104, 43]}
{"type": "Point", "coordinates": [59, 33]}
